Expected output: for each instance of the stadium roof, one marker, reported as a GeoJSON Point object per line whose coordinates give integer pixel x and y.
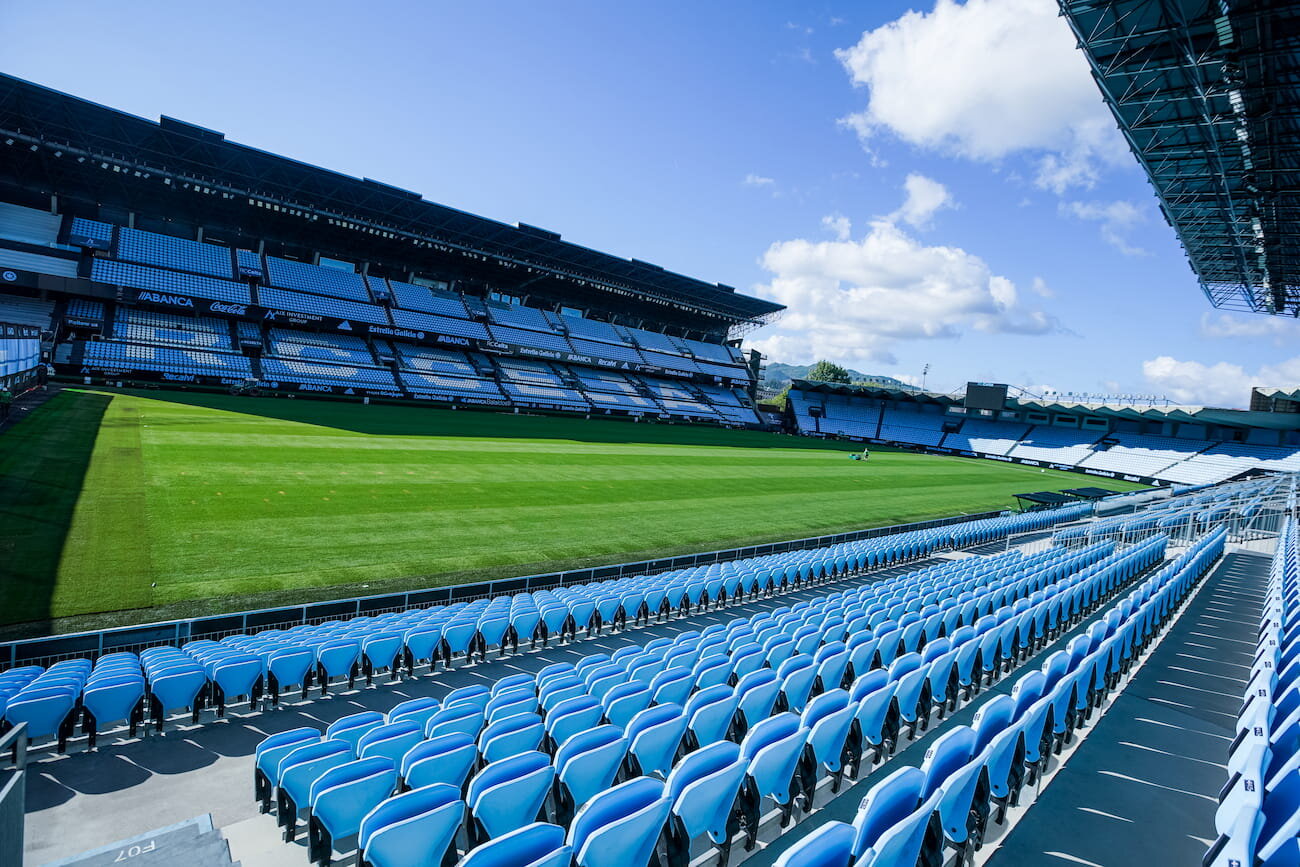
{"type": "Point", "coordinates": [1191, 414]}
{"type": "Point", "coordinates": [1284, 393]}
{"type": "Point", "coordinates": [1206, 93]}
{"type": "Point", "coordinates": [139, 151]}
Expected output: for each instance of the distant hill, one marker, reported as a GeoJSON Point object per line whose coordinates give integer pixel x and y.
{"type": "Point", "coordinates": [778, 376]}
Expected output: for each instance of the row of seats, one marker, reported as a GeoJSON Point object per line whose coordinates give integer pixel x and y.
{"type": "Point", "coordinates": [1258, 817]}
{"type": "Point", "coordinates": [972, 774]}
{"type": "Point", "coordinates": [264, 665]}
{"type": "Point", "coordinates": [684, 709]}
{"type": "Point", "coordinates": [116, 355]}
{"type": "Point", "coordinates": [1188, 513]}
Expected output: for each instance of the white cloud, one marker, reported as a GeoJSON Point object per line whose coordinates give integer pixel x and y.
{"type": "Point", "coordinates": [852, 300]}
{"type": "Point", "coordinates": [1040, 288]}
{"type": "Point", "coordinates": [753, 180]}
{"type": "Point", "coordinates": [1223, 325]}
{"type": "Point", "coordinates": [984, 80]}
{"type": "Point", "coordinates": [838, 225]}
{"type": "Point", "coordinates": [1220, 384]}
{"type": "Point", "coordinates": [925, 196]}
{"type": "Point", "coordinates": [1117, 219]}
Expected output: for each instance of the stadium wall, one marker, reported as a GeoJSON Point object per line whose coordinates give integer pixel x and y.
{"type": "Point", "coordinates": [47, 650]}
{"type": "Point", "coordinates": [20, 356]}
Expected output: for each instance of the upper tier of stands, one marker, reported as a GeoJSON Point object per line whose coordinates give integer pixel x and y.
{"type": "Point", "coordinates": [152, 262]}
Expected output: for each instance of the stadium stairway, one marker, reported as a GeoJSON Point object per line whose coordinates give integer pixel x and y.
{"type": "Point", "coordinates": [1143, 787]}
{"type": "Point", "coordinates": [76, 801]}
{"type": "Point", "coordinates": [194, 842]}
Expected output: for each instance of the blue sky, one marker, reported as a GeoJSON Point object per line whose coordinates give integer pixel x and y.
{"type": "Point", "coordinates": [931, 184]}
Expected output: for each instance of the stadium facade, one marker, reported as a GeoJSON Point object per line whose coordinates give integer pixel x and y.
{"type": "Point", "coordinates": [163, 252]}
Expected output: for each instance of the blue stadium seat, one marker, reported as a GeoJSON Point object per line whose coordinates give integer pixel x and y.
{"type": "Point", "coordinates": [413, 829]}
{"type": "Point", "coordinates": [703, 787]}
{"type": "Point", "coordinates": [535, 845]}
{"type": "Point", "coordinates": [340, 798]}
{"type": "Point", "coordinates": [831, 845]}
{"type": "Point", "coordinates": [508, 794]}
{"type": "Point", "coordinates": [621, 826]}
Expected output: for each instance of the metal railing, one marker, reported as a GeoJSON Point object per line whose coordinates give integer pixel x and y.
{"type": "Point", "coordinates": [92, 644]}
{"type": "Point", "coordinates": [13, 794]}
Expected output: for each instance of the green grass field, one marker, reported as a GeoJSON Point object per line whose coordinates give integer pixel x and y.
{"type": "Point", "coordinates": [158, 504]}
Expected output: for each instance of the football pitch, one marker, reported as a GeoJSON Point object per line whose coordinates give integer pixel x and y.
{"type": "Point", "coordinates": [166, 504]}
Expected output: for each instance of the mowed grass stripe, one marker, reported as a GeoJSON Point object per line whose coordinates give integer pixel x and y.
{"type": "Point", "coordinates": [228, 503]}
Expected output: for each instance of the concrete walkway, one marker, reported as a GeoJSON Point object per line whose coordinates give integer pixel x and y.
{"type": "Point", "coordinates": [1142, 788]}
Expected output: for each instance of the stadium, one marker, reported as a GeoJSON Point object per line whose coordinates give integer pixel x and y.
{"type": "Point", "coordinates": [343, 526]}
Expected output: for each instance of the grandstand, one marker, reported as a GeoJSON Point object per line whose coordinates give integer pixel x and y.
{"type": "Point", "coordinates": [1154, 445]}
{"type": "Point", "coordinates": [507, 296]}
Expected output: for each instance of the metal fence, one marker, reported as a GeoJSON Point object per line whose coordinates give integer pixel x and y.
{"type": "Point", "coordinates": [44, 651]}
{"type": "Point", "coordinates": [13, 794]}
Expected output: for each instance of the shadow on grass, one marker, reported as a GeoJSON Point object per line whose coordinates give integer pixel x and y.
{"type": "Point", "coordinates": [414, 420]}
{"type": "Point", "coordinates": [43, 464]}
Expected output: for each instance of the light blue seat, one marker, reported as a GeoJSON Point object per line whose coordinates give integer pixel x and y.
{"type": "Point", "coordinates": [829, 721]}
{"type": "Point", "coordinates": [703, 787]}
{"type": "Point", "coordinates": [267, 756]}
{"type": "Point", "coordinates": [586, 763]}
{"type": "Point", "coordinates": [47, 711]}
{"type": "Point", "coordinates": [508, 794]}
{"type": "Point", "coordinates": [288, 667]}
{"type": "Point", "coordinates": [236, 677]}
{"type": "Point", "coordinates": [513, 682]}
{"type": "Point", "coordinates": [297, 771]}
{"type": "Point", "coordinates": [513, 735]}
{"type": "Point", "coordinates": [1236, 846]}
{"type": "Point", "coordinates": [422, 644]}
{"type": "Point", "coordinates": [620, 826]}
{"type": "Point", "coordinates": [390, 741]}
{"type": "Point", "coordinates": [757, 693]}
{"type": "Point", "coordinates": [339, 657]}
{"type": "Point", "coordinates": [477, 695]}
{"type": "Point", "coordinates": [558, 689]}
{"type": "Point", "coordinates": [111, 699]}
{"type": "Point", "coordinates": [444, 759]}
{"type": "Point", "coordinates": [772, 749]}
{"type": "Point", "coordinates": [412, 829]}
{"type": "Point", "coordinates": [887, 803]}
{"type": "Point", "coordinates": [904, 842]}
{"type": "Point", "coordinates": [654, 736]}
{"type": "Point", "coordinates": [878, 720]}
{"type": "Point", "coordinates": [710, 714]}
{"type": "Point", "coordinates": [466, 718]}
{"type": "Point", "coordinates": [625, 701]}
{"type": "Point", "coordinates": [535, 845]}
{"type": "Point", "coordinates": [417, 709]}
{"type": "Point", "coordinates": [350, 728]}
{"type": "Point", "coordinates": [995, 715]}
{"type": "Point", "coordinates": [672, 686]}
{"type": "Point", "coordinates": [831, 845]}
{"type": "Point", "coordinates": [511, 704]}
{"type": "Point", "coordinates": [964, 807]}
{"type": "Point", "coordinates": [949, 751]}
{"type": "Point", "coordinates": [577, 714]}
{"type": "Point", "coordinates": [912, 696]}
{"type": "Point", "coordinates": [340, 798]}
{"type": "Point", "coordinates": [797, 675]}
{"type": "Point", "coordinates": [177, 687]}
